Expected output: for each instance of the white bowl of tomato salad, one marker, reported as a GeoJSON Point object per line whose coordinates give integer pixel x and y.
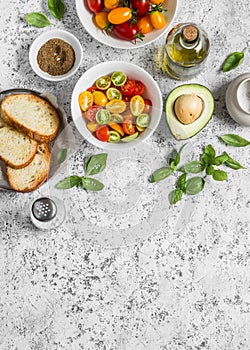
{"type": "Point", "coordinates": [116, 105]}
{"type": "Point", "coordinates": [126, 24]}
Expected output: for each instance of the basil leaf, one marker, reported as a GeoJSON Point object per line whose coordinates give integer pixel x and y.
{"type": "Point", "coordinates": [205, 159]}
{"type": "Point", "coordinates": [91, 184]}
{"type": "Point", "coordinates": [233, 164]}
{"type": "Point", "coordinates": [210, 151]}
{"type": "Point", "coordinates": [234, 140]}
{"type": "Point", "coordinates": [69, 182]}
{"type": "Point", "coordinates": [96, 164]}
{"type": "Point", "coordinates": [161, 174]}
{"type": "Point", "coordinates": [194, 185]}
{"type": "Point", "coordinates": [194, 167]}
{"type": "Point", "coordinates": [219, 175]}
{"type": "Point", "coordinates": [178, 155]}
{"type": "Point", "coordinates": [62, 155]}
{"type": "Point", "coordinates": [181, 182]}
{"type": "Point", "coordinates": [37, 19]}
{"type": "Point", "coordinates": [56, 8]}
{"type": "Point", "coordinates": [209, 170]}
{"type": "Point", "coordinates": [175, 195]}
{"type": "Point", "coordinates": [233, 61]}
{"type": "Point", "coordinates": [221, 159]}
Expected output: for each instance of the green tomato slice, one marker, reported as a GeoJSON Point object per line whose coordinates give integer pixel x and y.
{"type": "Point", "coordinates": [130, 137]}
{"type": "Point", "coordinates": [114, 136]}
{"type": "Point", "coordinates": [113, 94]}
{"type": "Point", "coordinates": [102, 116]}
{"type": "Point", "coordinates": [103, 82]}
{"type": "Point", "coordinates": [116, 118]}
{"type": "Point", "coordinates": [118, 78]}
{"type": "Point", "coordinates": [143, 120]}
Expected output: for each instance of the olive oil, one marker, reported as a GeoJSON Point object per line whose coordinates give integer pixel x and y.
{"type": "Point", "coordinates": [185, 52]}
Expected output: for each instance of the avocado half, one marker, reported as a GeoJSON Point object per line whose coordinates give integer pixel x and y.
{"type": "Point", "coordinates": [184, 131]}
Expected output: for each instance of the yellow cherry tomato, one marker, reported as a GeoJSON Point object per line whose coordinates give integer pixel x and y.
{"type": "Point", "coordinates": [92, 127]}
{"type": "Point", "coordinates": [119, 15]}
{"type": "Point", "coordinates": [99, 98]}
{"type": "Point", "coordinates": [85, 100]}
{"type": "Point", "coordinates": [111, 4]}
{"type": "Point", "coordinates": [145, 25]}
{"type": "Point", "coordinates": [157, 19]}
{"type": "Point", "coordinates": [136, 105]}
{"type": "Point", "coordinates": [101, 20]}
{"type": "Point", "coordinates": [156, 2]}
{"type": "Point", "coordinates": [116, 106]}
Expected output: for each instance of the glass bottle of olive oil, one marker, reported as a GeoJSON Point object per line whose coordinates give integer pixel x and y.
{"type": "Point", "coordinates": [187, 46]}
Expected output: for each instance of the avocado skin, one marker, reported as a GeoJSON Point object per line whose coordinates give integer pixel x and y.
{"type": "Point", "coordinates": [181, 131]}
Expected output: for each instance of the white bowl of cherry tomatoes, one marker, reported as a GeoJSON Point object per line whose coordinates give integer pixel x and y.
{"type": "Point", "coordinates": [116, 105]}
{"type": "Point", "coordinates": [126, 24]}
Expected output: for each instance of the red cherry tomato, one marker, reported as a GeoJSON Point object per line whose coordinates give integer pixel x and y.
{"type": "Point", "coordinates": [142, 6]}
{"type": "Point", "coordinates": [126, 31]}
{"type": "Point", "coordinates": [102, 133]}
{"type": "Point", "coordinates": [128, 127]}
{"type": "Point", "coordinates": [147, 106]}
{"type": "Point", "coordinates": [92, 88]}
{"type": "Point", "coordinates": [91, 112]}
{"type": "Point", "coordinates": [95, 5]}
{"type": "Point", "coordinates": [128, 88]}
{"type": "Point", "coordinates": [139, 88]}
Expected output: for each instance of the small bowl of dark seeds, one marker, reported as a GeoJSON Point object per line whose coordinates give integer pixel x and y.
{"type": "Point", "coordinates": [55, 55]}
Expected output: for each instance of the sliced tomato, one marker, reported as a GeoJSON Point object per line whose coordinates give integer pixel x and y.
{"type": "Point", "coordinates": [136, 105]}
{"type": "Point", "coordinates": [116, 106]}
{"type": "Point", "coordinates": [92, 88]}
{"type": "Point", "coordinates": [91, 113]}
{"type": "Point", "coordinates": [92, 127]}
{"type": "Point", "coordinates": [85, 100]}
{"type": "Point", "coordinates": [128, 88]}
{"type": "Point", "coordinates": [102, 133]}
{"type": "Point", "coordinates": [147, 106]}
{"type": "Point", "coordinates": [117, 128]}
{"type": "Point", "coordinates": [139, 88]}
{"type": "Point", "coordinates": [128, 127]}
{"type": "Point", "coordinates": [99, 98]}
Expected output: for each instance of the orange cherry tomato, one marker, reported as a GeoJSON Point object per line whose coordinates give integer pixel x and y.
{"type": "Point", "coordinates": [85, 100]}
{"type": "Point", "coordinates": [111, 4]}
{"type": "Point", "coordinates": [156, 2]}
{"type": "Point", "coordinates": [119, 15]}
{"type": "Point", "coordinates": [101, 20]}
{"type": "Point", "coordinates": [157, 19]}
{"type": "Point", "coordinates": [117, 127]}
{"type": "Point", "coordinates": [144, 24]}
{"type": "Point", "coordinates": [99, 98]}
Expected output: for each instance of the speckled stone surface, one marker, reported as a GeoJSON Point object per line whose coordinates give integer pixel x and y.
{"type": "Point", "coordinates": [181, 282]}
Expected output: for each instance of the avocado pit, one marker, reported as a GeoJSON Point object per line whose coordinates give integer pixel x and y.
{"type": "Point", "coordinates": [188, 108]}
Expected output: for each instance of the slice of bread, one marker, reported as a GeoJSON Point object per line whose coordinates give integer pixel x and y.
{"type": "Point", "coordinates": [32, 176]}
{"type": "Point", "coordinates": [16, 148]}
{"type": "Point", "coordinates": [31, 114]}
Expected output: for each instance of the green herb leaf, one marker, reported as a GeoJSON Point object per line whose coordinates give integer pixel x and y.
{"type": "Point", "coordinates": [234, 140]}
{"type": "Point", "coordinates": [96, 164]}
{"type": "Point", "coordinates": [221, 159]}
{"type": "Point", "coordinates": [62, 155]}
{"type": "Point", "coordinates": [56, 8]}
{"type": "Point", "coordinates": [90, 184]}
{"type": "Point", "coordinates": [210, 151]}
{"type": "Point", "coordinates": [233, 61]}
{"type": "Point", "coordinates": [37, 19]}
{"type": "Point", "coordinates": [178, 155]}
{"type": "Point", "coordinates": [194, 167]}
{"type": "Point", "coordinates": [161, 174]}
{"type": "Point", "coordinates": [181, 182]}
{"type": "Point", "coordinates": [175, 195]}
{"type": "Point", "coordinates": [210, 169]}
{"type": "Point", "coordinates": [194, 185]}
{"type": "Point", "coordinates": [233, 164]}
{"type": "Point", "coordinates": [69, 182]}
{"type": "Point", "coordinates": [219, 175]}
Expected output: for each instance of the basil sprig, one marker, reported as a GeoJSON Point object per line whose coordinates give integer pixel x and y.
{"type": "Point", "coordinates": [94, 165]}
{"type": "Point", "coordinates": [56, 8]}
{"type": "Point", "coordinates": [36, 19]}
{"type": "Point", "coordinates": [234, 140]}
{"type": "Point", "coordinates": [233, 61]}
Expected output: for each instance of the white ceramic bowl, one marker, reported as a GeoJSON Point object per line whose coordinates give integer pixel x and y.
{"type": "Point", "coordinates": [42, 39]}
{"type": "Point", "coordinates": [151, 92]}
{"type": "Point", "coordinates": [86, 18]}
{"type": "Point", "coordinates": [238, 99]}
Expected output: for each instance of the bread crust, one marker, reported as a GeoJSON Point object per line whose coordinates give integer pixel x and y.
{"type": "Point", "coordinates": [31, 132]}
{"type": "Point", "coordinates": [37, 174]}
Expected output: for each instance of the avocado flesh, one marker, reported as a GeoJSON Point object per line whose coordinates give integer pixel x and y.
{"type": "Point", "coordinates": [184, 131]}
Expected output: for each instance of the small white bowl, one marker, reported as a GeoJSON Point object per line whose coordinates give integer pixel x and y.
{"type": "Point", "coordinates": [151, 92]}
{"type": "Point", "coordinates": [42, 39]}
{"type": "Point", "coordinates": [238, 99]}
{"type": "Point", "coordinates": [87, 19]}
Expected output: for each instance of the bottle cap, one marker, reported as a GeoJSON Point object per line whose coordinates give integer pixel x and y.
{"type": "Point", "coordinates": [190, 33]}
